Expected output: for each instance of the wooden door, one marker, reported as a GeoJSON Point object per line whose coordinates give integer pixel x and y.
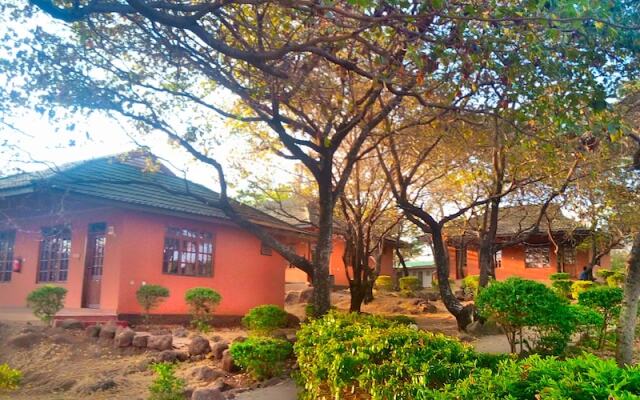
{"type": "Point", "coordinates": [94, 260]}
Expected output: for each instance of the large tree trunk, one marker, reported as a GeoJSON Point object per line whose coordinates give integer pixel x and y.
{"type": "Point", "coordinates": [629, 312]}
{"type": "Point", "coordinates": [322, 256]}
{"type": "Point", "coordinates": [463, 315]}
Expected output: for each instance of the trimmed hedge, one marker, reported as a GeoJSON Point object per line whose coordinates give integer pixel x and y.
{"type": "Point", "coordinates": [262, 357]}
{"type": "Point", "coordinates": [202, 302]}
{"type": "Point", "coordinates": [409, 283]}
{"type": "Point", "coordinates": [263, 320]}
{"type": "Point", "coordinates": [559, 276]}
{"type": "Point", "coordinates": [384, 283]}
{"type": "Point", "coordinates": [46, 301]}
{"type": "Point", "coordinates": [470, 284]}
{"type": "Point", "coordinates": [580, 286]}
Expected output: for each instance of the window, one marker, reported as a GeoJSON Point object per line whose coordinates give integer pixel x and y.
{"type": "Point", "coordinates": [569, 254]}
{"type": "Point", "coordinates": [265, 250]}
{"type": "Point", "coordinates": [7, 241]}
{"type": "Point", "coordinates": [498, 259]}
{"type": "Point", "coordinates": [536, 256]}
{"type": "Point", "coordinates": [188, 252]}
{"type": "Point", "coordinates": [55, 250]}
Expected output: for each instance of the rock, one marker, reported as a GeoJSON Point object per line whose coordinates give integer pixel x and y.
{"type": "Point", "coordinates": [488, 328]}
{"type": "Point", "coordinates": [279, 334]}
{"type": "Point", "coordinates": [215, 338]}
{"type": "Point", "coordinates": [292, 297]}
{"type": "Point", "coordinates": [140, 366]}
{"type": "Point", "coordinates": [61, 339]}
{"type": "Point", "coordinates": [92, 331]}
{"type": "Point", "coordinates": [292, 338]}
{"type": "Point", "coordinates": [429, 308]}
{"type": "Point", "coordinates": [205, 373]}
{"type": "Point", "coordinates": [124, 338]}
{"type": "Point", "coordinates": [198, 357]}
{"type": "Point", "coordinates": [98, 386]}
{"type": "Point", "coordinates": [221, 385]}
{"type": "Point", "coordinates": [306, 295]}
{"type": "Point", "coordinates": [227, 362]}
{"type": "Point", "coordinates": [292, 321]}
{"type": "Point", "coordinates": [239, 339]}
{"type": "Point", "coordinates": [207, 393]}
{"type": "Point", "coordinates": [218, 348]}
{"type": "Point", "coordinates": [188, 392]}
{"type": "Point", "coordinates": [167, 356]}
{"type": "Point", "coordinates": [182, 356]}
{"type": "Point", "coordinates": [161, 342]}
{"type": "Point", "coordinates": [26, 340]}
{"type": "Point", "coordinates": [180, 332]}
{"type": "Point", "coordinates": [199, 345]}
{"type": "Point", "coordinates": [432, 296]}
{"type": "Point", "coordinates": [139, 340]}
{"type": "Point", "coordinates": [71, 324]}
{"type": "Point", "coordinates": [466, 338]}
{"type": "Point", "coordinates": [459, 294]}
{"type": "Point", "coordinates": [160, 332]}
{"type": "Point", "coordinates": [108, 331]}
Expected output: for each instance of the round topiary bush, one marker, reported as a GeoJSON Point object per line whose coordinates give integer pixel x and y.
{"type": "Point", "coordinates": [265, 319]}
{"type": "Point", "coordinates": [384, 283]}
{"type": "Point", "coordinates": [150, 296]}
{"type": "Point", "coordinates": [46, 301]}
{"type": "Point", "coordinates": [580, 286]}
{"type": "Point", "coordinates": [409, 283]}
{"type": "Point", "coordinates": [562, 287]}
{"type": "Point", "coordinates": [202, 302]}
{"type": "Point", "coordinates": [262, 357]}
{"type": "Point", "coordinates": [559, 276]}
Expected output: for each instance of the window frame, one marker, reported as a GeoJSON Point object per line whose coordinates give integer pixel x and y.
{"type": "Point", "coordinates": [265, 249]}
{"type": "Point", "coordinates": [545, 249]}
{"type": "Point", "coordinates": [7, 255]}
{"type": "Point", "coordinates": [54, 271]}
{"type": "Point", "coordinates": [189, 246]}
{"type": "Point", "coordinates": [569, 249]}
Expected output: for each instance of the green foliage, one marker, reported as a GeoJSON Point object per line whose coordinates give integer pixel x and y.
{"type": "Point", "coordinates": [9, 378]}
{"type": "Point", "coordinates": [46, 301]}
{"type": "Point", "coordinates": [384, 283]}
{"type": "Point", "coordinates": [559, 276]}
{"type": "Point", "coordinates": [562, 287]}
{"type": "Point", "coordinates": [150, 296]}
{"type": "Point", "coordinates": [470, 284]}
{"type": "Point", "coordinates": [582, 378]}
{"type": "Point", "coordinates": [580, 286]}
{"type": "Point", "coordinates": [265, 319]}
{"type": "Point", "coordinates": [401, 319]}
{"type": "Point", "coordinates": [409, 283]}
{"type": "Point", "coordinates": [616, 279]}
{"type": "Point", "coordinates": [604, 273]}
{"type": "Point", "coordinates": [518, 304]}
{"type": "Point", "coordinates": [166, 386]}
{"type": "Point", "coordinates": [262, 357]}
{"type": "Point", "coordinates": [607, 301]}
{"type": "Point", "coordinates": [344, 353]}
{"type": "Point", "coordinates": [202, 302]}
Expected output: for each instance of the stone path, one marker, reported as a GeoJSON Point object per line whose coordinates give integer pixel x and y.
{"type": "Point", "coordinates": [285, 390]}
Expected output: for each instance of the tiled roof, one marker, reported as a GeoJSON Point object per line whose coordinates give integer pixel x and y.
{"type": "Point", "coordinates": [124, 180]}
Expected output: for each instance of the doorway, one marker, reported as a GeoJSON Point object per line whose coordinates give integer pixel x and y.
{"type": "Point", "coordinates": [93, 264]}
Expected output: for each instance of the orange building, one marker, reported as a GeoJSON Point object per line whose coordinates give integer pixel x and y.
{"type": "Point", "coordinates": [524, 251]}
{"type": "Point", "coordinates": [104, 227]}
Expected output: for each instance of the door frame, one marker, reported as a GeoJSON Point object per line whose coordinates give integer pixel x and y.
{"type": "Point", "coordinates": [89, 257]}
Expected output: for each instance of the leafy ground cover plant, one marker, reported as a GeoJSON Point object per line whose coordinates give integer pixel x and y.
{"type": "Point", "coordinates": [150, 296]}
{"type": "Point", "coordinates": [263, 320]}
{"type": "Point", "coordinates": [607, 301]}
{"type": "Point", "coordinates": [46, 301]}
{"type": "Point", "coordinates": [166, 386]}
{"type": "Point", "coordinates": [202, 302]}
{"type": "Point", "coordinates": [9, 378]}
{"type": "Point", "coordinates": [262, 357]}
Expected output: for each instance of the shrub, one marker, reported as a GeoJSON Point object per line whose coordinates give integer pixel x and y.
{"type": "Point", "coordinates": [470, 284]}
{"type": "Point", "coordinates": [409, 283]}
{"type": "Point", "coordinates": [265, 319]}
{"type": "Point", "coordinates": [604, 273]}
{"type": "Point", "coordinates": [349, 355]}
{"type": "Point", "coordinates": [616, 279]}
{"type": "Point", "coordinates": [384, 283]}
{"type": "Point", "coordinates": [166, 386]}
{"type": "Point", "coordinates": [401, 319]}
{"type": "Point", "coordinates": [559, 276]}
{"type": "Point", "coordinates": [262, 357]}
{"type": "Point", "coordinates": [516, 304]}
{"type": "Point", "coordinates": [580, 286]}
{"type": "Point", "coordinates": [607, 301]}
{"type": "Point", "coordinates": [9, 378]}
{"type": "Point", "coordinates": [46, 301]}
{"type": "Point", "coordinates": [582, 378]}
{"type": "Point", "coordinates": [562, 287]}
{"type": "Point", "coordinates": [150, 296]}
{"type": "Point", "coordinates": [202, 302]}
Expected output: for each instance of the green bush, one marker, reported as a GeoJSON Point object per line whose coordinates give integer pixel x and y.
{"type": "Point", "coordinates": [518, 304]}
{"type": "Point", "coordinates": [265, 319]}
{"type": "Point", "coordinates": [9, 378]}
{"type": "Point", "coordinates": [401, 319]}
{"type": "Point", "coordinates": [559, 276]}
{"type": "Point", "coordinates": [202, 302]}
{"type": "Point", "coordinates": [344, 354]}
{"type": "Point", "coordinates": [409, 283]}
{"type": "Point", "coordinates": [562, 287]}
{"type": "Point", "coordinates": [384, 283]}
{"type": "Point", "coordinates": [470, 284]}
{"type": "Point", "coordinates": [580, 286]}
{"type": "Point", "coordinates": [166, 386]}
{"type": "Point", "coordinates": [607, 301]}
{"type": "Point", "coordinates": [46, 301]}
{"type": "Point", "coordinates": [150, 296]}
{"type": "Point", "coordinates": [616, 279]}
{"type": "Point", "coordinates": [262, 357]}
{"type": "Point", "coordinates": [582, 378]}
{"type": "Point", "coordinates": [604, 273]}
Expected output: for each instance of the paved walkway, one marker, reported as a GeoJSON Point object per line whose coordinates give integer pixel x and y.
{"type": "Point", "coordinates": [285, 390]}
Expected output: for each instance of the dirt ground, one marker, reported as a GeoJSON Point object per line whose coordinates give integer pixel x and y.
{"type": "Point", "coordinates": [64, 364]}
